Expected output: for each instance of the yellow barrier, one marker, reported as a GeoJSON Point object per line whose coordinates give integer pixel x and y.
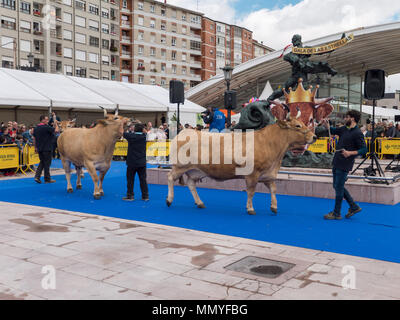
{"type": "Point", "coordinates": [387, 146]}
{"type": "Point", "coordinates": [153, 148]}
{"type": "Point", "coordinates": [29, 158]}
{"type": "Point", "coordinates": [319, 146]}
{"type": "Point", "coordinates": [9, 156]}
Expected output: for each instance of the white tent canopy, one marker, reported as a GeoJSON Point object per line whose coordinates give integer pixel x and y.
{"type": "Point", "coordinates": [30, 89]}
{"type": "Point", "coordinates": [380, 112]}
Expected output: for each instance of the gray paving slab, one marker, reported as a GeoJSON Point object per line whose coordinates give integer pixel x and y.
{"type": "Point", "coordinates": [56, 254]}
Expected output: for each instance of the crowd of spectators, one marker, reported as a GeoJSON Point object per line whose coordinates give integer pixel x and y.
{"type": "Point", "coordinates": [383, 129]}
{"type": "Point", "coordinates": [14, 133]}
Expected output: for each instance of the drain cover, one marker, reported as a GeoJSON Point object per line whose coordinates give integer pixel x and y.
{"type": "Point", "coordinates": [260, 267]}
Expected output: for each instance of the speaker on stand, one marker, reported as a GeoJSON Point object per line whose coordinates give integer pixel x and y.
{"type": "Point", "coordinates": [374, 89]}
{"type": "Point", "coordinates": [176, 95]}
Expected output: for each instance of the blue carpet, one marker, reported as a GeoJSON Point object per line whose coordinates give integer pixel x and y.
{"type": "Point", "coordinates": [372, 233]}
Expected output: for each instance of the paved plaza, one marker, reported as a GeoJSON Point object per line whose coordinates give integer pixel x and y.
{"type": "Point", "coordinates": [56, 254]}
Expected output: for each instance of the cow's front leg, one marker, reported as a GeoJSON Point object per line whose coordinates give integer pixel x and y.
{"type": "Point", "coordinates": [92, 171]}
{"type": "Point", "coordinates": [67, 169]}
{"type": "Point", "coordinates": [101, 178]}
{"type": "Point", "coordinates": [272, 187]}
{"type": "Point", "coordinates": [192, 187]}
{"type": "Point", "coordinates": [251, 183]}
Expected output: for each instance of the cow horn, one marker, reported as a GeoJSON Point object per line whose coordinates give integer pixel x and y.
{"type": "Point", "coordinates": [116, 111]}
{"type": "Point", "coordinates": [317, 106]}
{"type": "Point", "coordinates": [105, 111]}
{"type": "Point", "coordinates": [298, 113]}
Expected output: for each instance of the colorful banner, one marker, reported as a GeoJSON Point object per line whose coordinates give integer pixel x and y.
{"type": "Point", "coordinates": [325, 48]}
{"type": "Point", "coordinates": [9, 157]}
{"type": "Point", "coordinates": [319, 146]}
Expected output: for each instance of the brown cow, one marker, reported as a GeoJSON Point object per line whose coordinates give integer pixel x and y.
{"type": "Point", "coordinates": [265, 152]}
{"type": "Point", "coordinates": [91, 148]}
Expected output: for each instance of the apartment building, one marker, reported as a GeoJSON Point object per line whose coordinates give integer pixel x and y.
{"type": "Point", "coordinates": [159, 42]}
{"type": "Point", "coordinates": [260, 49]}
{"type": "Point", "coordinates": [72, 37]}
{"type": "Point", "coordinates": [223, 44]}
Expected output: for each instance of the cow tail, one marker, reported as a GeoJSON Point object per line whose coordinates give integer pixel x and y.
{"type": "Point", "coordinates": [181, 181]}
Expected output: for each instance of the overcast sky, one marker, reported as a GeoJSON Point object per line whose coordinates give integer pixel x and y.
{"type": "Point", "coordinates": [275, 22]}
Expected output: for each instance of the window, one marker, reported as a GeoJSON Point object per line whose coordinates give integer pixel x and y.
{"type": "Point", "coordinates": [93, 9]}
{"type": "Point", "coordinates": [94, 25]}
{"type": "Point", "coordinates": [7, 62]}
{"type": "Point", "coordinates": [80, 38]}
{"type": "Point", "coordinates": [174, 69]}
{"type": "Point", "coordinates": [93, 57]}
{"type": "Point", "coordinates": [105, 13]}
{"type": "Point", "coordinates": [105, 28]}
{"type": "Point", "coordinates": [140, 50]}
{"type": "Point", "coordinates": [183, 17]}
{"type": "Point", "coordinates": [163, 39]}
{"type": "Point", "coordinates": [163, 67]}
{"type": "Point", "coordinates": [67, 35]}
{"type": "Point", "coordinates": [68, 3]}
{"type": "Point", "coordinates": [105, 44]}
{"type": "Point", "coordinates": [80, 21]}
{"type": "Point", "coordinates": [105, 60]}
{"type": "Point", "coordinates": [183, 56]}
{"type": "Point", "coordinates": [67, 18]}
{"type": "Point", "coordinates": [140, 21]}
{"type": "Point", "coordinates": [152, 80]}
{"type": "Point", "coordinates": [7, 43]}
{"type": "Point", "coordinates": [163, 81]}
{"type": "Point", "coordinates": [140, 5]}
{"type": "Point", "coordinates": [25, 26]}
{"type": "Point", "coordinates": [163, 53]}
{"type": "Point", "coordinates": [25, 45]}
{"type": "Point", "coordinates": [183, 70]}
{"type": "Point", "coordinates": [141, 79]}
{"type": "Point", "coordinates": [9, 4]}
{"type": "Point", "coordinates": [183, 43]}
{"type": "Point", "coordinates": [184, 30]}
{"type": "Point", "coordinates": [80, 55]}
{"type": "Point", "coordinates": [163, 25]}
{"type": "Point", "coordinates": [25, 7]}
{"type": "Point", "coordinates": [140, 35]}
{"type": "Point", "coordinates": [163, 11]}
{"type": "Point", "coordinates": [68, 70]}
{"type": "Point", "coordinates": [152, 23]}
{"type": "Point", "coordinates": [153, 38]}
{"type": "Point", "coordinates": [93, 41]}
{"type": "Point", "coordinates": [152, 8]}
{"type": "Point", "coordinates": [8, 23]}
{"type": "Point", "coordinates": [173, 55]}
{"type": "Point", "coordinates": [173, 41]}
{"type": "Point", "coordinates": [67, 53]}
{"type": "Point", "coordinates": [80, 72]}
{"type": "Point", "coordinates": [173, 14]}
{"type": "Point", "coordinates": [152, 51]}
{"type": "Point", "coordinates": [80, 5]}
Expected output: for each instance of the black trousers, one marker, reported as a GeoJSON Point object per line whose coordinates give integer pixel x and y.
{"type": "Point", "coordinates": [130, 177]}
{"type": "Point", "coordinates": [45, 162]}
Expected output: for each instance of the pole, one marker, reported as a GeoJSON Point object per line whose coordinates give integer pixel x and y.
{"type": "Point", "coordinates": [373, 130]}
{"type": "Point", "coordinates": [229, 109]}
{"type": "Point", "coordinates": [178, 121]}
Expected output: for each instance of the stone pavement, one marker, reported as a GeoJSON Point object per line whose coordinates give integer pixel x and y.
{"type": "Point", "coordinates": [54, 254]}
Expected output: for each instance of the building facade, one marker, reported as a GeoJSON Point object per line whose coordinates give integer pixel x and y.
{"type": "Point", "coordinates": [159, 43]}
{"type": "Point", "coordinates": [260, 49]}
{"type": "Point", "coordinates": [72, 37]}
{"type": "Point", "coordinates": [223, 44]}
{"type": "Point", "coordinates": [390, 101]}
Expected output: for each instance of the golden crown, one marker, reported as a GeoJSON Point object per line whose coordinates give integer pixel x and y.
{"type": "Point", "coordinates": [300, 95]}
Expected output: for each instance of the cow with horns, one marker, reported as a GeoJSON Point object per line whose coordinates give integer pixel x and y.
{"type": "Point", "coordinates": [91, 148]}
{"type": "Point", "coordinates": [197, 154]}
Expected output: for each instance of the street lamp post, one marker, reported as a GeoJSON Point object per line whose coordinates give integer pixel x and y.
{"type": "Point", "coordinates": [228, 77]}
{"type": "Point", "coordinates": [30, 59]}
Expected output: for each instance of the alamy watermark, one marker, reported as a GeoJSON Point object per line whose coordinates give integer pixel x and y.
{"type": "Point", "coordinates": [49, 280]}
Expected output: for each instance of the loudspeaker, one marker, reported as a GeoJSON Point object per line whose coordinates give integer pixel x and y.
{"type": "Point", "coordinates": [176, 92]}
{"type": "Point", "coordinates": [397, 118]}
{"type": "Point", "coordinates": [374, 84]}
{"type": "Point", "coordinates": [230, 100]}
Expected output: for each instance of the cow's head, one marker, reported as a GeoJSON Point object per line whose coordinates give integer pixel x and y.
{"type": "Point", "coordinates": [298, 132]}
{"type": "Point", "coordinates": [115, 120]}
{"type": "Point", "coordinates": [65, 124]}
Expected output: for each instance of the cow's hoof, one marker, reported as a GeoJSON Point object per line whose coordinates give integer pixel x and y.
{"type": "Point", "coordinates": [201, 206]}
{"type": "Point", "coordinates": [97, 196]}
{"type": "Point", "coordinates": [168, 203]}
{"type": "Point", "coordinates": [274, 210]}
{"type": "Point", "coordinates": [251, 212]}
{"type": "Point", "coordinates": [102, 193]}
{"type": "Point", "coordinates": [70, 190]}
{"type": "Point", "coordinates": [78, 187]}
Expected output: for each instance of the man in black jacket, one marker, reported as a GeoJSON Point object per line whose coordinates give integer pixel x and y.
{"type": "Point", "coordinates": [43, 137]}
{"type": "Point", "coordinates": [136, 161]}
{"type": "Point", "coordinates": [351, 144]}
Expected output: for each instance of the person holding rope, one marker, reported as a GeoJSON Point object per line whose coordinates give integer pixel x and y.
{"type": "Point", "coordinates": [351, 144]}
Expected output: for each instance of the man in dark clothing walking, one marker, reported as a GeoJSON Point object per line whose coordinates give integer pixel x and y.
{"type": "Point", "coordinates": [136, 161]}
{"type": "Point", "coordinates": [43, 137]}
{"type": "Point", "coordinates": [351, 144]}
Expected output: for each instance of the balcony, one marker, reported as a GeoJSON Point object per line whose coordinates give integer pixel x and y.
{"type": "Point", "coordinates": [37, 12]}
{"type": "Point", "coordinates": [125, 70]}
{"type": "Point", "coordinates": [126, 40]}
{"type": "Point", "coordinates": [141, 68]}
{"type": "Point", "coordinates": [125, 55]}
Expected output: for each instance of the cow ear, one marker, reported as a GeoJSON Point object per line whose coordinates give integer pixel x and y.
{"type": "Point", "coordinates": [323, 111]}
{"type": "Point", "coordinates": [279, 112]}
{"type": "Point", "coordinates": [103, 122]}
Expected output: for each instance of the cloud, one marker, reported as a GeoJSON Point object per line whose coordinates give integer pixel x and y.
{"type": "Point", "coordinates": [314, 18]}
